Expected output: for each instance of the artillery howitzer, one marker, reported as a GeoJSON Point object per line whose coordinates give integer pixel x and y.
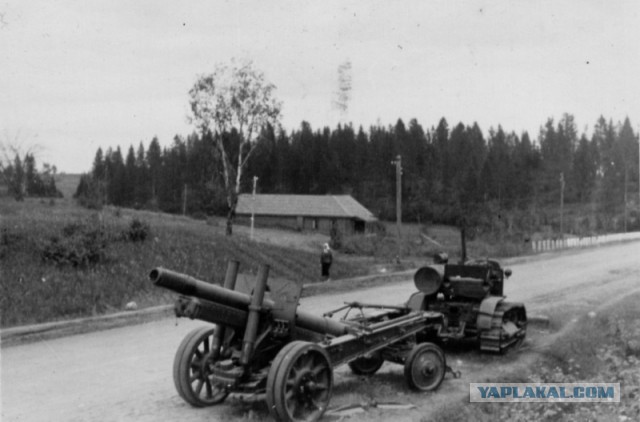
{"type": "Point", "coordinates": [470, 296]}
{"type": "Point", "coordinates": [262, 344]}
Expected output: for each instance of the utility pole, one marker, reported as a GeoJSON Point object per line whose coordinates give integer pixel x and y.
{"type": "Point", "coordinates": [626, 181]}
{"type": "Point", "coordinates": [398, 163]}
{"type": "Point", "coordinates": [562, 205]}
{"type": "Point", "coordinates": [253, 204]}
{"type": "Point", "coordinates": [184, 199]}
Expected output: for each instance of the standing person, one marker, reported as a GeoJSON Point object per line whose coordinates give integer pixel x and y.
{"type": "Point", "coordinates": [326, 258]}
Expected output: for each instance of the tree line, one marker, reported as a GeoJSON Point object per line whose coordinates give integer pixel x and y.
{"type": "Point", "coordinates": [454, 175]}
{"type": "Point", "coordinates": [22, 178]}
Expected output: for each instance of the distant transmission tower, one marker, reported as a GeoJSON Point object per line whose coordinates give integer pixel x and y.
{"type": "Point", "coordinates": [343, 95]}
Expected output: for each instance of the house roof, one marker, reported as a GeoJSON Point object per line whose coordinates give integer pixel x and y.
{"type": "Point", "coordinates": [336, 206]}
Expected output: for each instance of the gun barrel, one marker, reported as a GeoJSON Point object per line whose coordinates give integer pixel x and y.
{"type": "Point", "coordinates": [190, 286]}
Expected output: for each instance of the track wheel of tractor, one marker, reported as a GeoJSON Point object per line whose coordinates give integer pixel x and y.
{"type": "Point", "coordinates": [367, 365]}
{"type": "Point", "coordinates": [299, 383]}
{"type": "Point", "coordinates": [514, 329]}
{"type": "Point", "coordinates": [425, 367]}
{"type": "Point", "coordinates": [192, 367]}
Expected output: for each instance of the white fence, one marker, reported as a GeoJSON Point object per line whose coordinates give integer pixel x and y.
{"type": "Point", "coordinates": [580, 242]}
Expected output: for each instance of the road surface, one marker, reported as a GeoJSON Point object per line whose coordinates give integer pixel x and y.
{"type": "Point", "coordinates": [124, 374]}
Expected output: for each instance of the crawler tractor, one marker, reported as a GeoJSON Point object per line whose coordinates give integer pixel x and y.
{"type": "Point", "coordinates": [470, 296]}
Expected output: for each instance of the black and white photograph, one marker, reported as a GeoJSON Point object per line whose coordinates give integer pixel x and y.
{"type": "Point", "coordinates": [357, 210]}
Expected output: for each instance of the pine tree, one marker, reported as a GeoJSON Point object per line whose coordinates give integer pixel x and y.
{"type": "Point", "coordinates": [116, 179]}
{"type": "Point", "coordinates": [98, 169]}
{"type": "Point", "coordinates": [496, 170]}
{"type": "Point", "coordinates": [610, 166]}
{"type": "Point", "coordinates": [284, 171]}
{"type": "Point", "coordinates": [154, 160]}
{"type": "Point", "coordinates": [17, 179]}
{"type": "Point", "coordinates": [142, 189]}
{"type": "Point", "coordinates": [442, 161]}
{"type": "Point", "coordinates": [129, 180]}
{"type": "Point", "coordinates": [628, 151]}
{"type": "Point", "coordinates": [585, 166]}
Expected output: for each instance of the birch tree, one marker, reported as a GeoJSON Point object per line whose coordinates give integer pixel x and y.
{"type": "Point", "coordinates": [235, 96]}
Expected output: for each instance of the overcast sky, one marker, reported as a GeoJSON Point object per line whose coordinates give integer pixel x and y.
{"type": "Point", "coordinates": [78, 75]}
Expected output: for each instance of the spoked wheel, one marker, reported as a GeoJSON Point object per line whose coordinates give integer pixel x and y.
{"type": "Point", "coordinates": [271, 377]}
{"type": "Point", "coordinates": [425, 367]}
{"type": "Point", "coordinates": [367, 365]}
{"type": "Point", "coordinates": [299, 383]}
{"type": "Point", "coordinates": [192, 367]}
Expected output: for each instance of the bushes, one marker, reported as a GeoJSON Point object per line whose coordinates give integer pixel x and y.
{"type": "Point", "coordinates": [9, 240]}
{"type": "Point", "coordinates": [138, 231]}
{"type": "Point", "coordinates": [377, 227]}
{"type": "Point", "coordinates": [361, 245]}
{"type": "Point", "coordinates": [82, 244]}
{"type": "Point", "coordinates": [79, 245]}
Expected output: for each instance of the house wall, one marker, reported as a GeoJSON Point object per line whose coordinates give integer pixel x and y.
{"type": "Point", "coordinates": [320, 224]}
{"type": "Point", "coordinates": [269, 221]}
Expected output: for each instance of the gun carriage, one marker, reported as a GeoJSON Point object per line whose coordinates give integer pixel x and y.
{"type": "Point", "coordinates": [261, 344]}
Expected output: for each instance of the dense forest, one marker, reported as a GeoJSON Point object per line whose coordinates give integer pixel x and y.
{"type": "Point", "coordinates": [454, 175]}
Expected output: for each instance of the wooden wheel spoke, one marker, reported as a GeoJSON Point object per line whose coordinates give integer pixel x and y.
{"type": "Point", "coordinates": [292, 405]}
{"type": "Point", "coordinates": [322, 386]}
{"type": "Point", "coordinates": [289, 394]}
{"type": "Point", "coordinates": [307, 362]}
{"type": "Point", "coordinates": [209, 388]}
{"type": "Point", "coordinates": [318, 370]}
{"type": "Point", "coordinates": [293, 375]}
{"type": "Point", "coordinates": [199, 386]}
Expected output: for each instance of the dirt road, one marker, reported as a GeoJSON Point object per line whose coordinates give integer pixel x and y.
{"type": "Point", "coordinates": [125, 374]}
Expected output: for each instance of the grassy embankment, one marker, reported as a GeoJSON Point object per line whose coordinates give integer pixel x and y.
{"type": "Point", "coordinates": [94, 268]}
{"type": "Point", "coordinates": [60, 261]}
